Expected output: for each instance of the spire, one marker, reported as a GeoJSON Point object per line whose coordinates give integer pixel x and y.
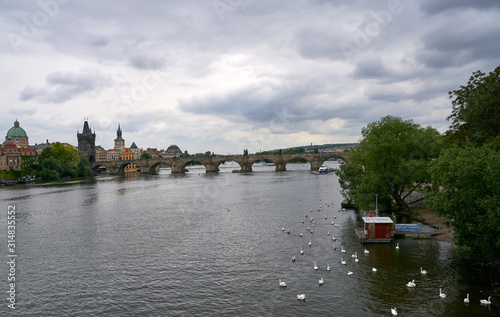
{"type": "Point", "coordinates": [119, 132]}
{"type": "Point", "coordinates": [86, 128]}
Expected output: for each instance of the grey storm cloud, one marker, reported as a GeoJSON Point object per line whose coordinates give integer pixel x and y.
{"type": "Point", "coordinates": [203, 66]}
{"type": "Point", "coordinates": [144, 62]}
{"type": "Point", "coordinates": [64, 86]}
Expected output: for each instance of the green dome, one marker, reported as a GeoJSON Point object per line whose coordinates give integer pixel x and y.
{"type": "Point", "coordinates": [16, 131]}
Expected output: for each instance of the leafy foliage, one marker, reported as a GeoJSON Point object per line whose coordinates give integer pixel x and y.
{"type": "Point", "coordinates": [60, 161]}
{"type": "Point", "coordinates": [466, 189]}
{"type": "Point", "coordinates": [391, 156]}
{"type": "Point", "coordinates": [476, 110]}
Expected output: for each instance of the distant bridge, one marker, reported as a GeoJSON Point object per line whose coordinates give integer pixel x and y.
{"type": "Point", "coordinates": [211, 163]}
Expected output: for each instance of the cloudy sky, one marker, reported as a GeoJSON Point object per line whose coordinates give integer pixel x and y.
{"type": "Point", "coordinates": [228, 75]}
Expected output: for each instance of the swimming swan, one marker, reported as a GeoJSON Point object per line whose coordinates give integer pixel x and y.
{"type": "Point", "coordinates": [411, 284]}
{"type": "Point", "coordinates": [282, 283]}
{"type": "Point", "coordinates": [485, 301]}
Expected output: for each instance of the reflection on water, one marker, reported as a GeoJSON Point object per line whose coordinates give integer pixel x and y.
{"type": "Point", "coordinates": [211, 245]}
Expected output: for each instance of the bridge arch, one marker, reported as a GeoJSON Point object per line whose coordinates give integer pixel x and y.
{"type": "Point", "coordinates": [154, 168]}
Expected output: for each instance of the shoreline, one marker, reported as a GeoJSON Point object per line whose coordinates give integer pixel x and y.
{"type": "Point", "coordinates": [421, 213]}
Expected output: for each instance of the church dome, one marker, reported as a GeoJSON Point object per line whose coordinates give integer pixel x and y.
{"type": "Point", "coordinates": [16, 131]}
{"type": "Point", "coordinates": [173, 149]}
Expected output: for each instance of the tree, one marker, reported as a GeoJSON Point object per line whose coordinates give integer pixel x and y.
{"type": "Point", "coordinates": [59, 161]}
{"type": "Point", "coordinates": [392, 155]}
{"type": "Point", "coordinates": [145, 155]}
{"type": "Point", "coordinates": [476, 110]}
{"type": "Point", "coordinates": [466, 189]}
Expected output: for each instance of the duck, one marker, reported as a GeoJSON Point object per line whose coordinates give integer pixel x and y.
{"type": "Point", "coordinates": [441, 294]}
{"type": "Point", "coordinates": [374, 269]}
{"type": "Point", "coordinates": [288, 231]}
{"type": "Point", "coordinates": [328, 267]}
{"type": "Point", "coordinates": [315, 266]}
{"type": "Point", "coordinates": [342, 261]}
{"type": "Point", "coordinates": [301, 296]}
{"type": "Point", "coordinates": [394, 311]}
{"type": "Point", "coordinates": [349, 273]}
{"type": "Point", "coordinates": [321, 281]}
{"type": "Point", "coordinates": [411, 284]}
{"type": "Point", "coordinates": [485, 301]}
{"type": "Point", "coordinates": [423, 271]}
{"type": "Point", "coordinates": [366, 251]}
{"type": "Point", "coordinates": [397, 246]}
{"type": "Point", "coordinates": [466, 300]}
{"type": "Point", "coordinates": [282, 283]}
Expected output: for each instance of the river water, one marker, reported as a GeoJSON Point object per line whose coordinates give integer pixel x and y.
{"type": "Point", "coordinates": [213, 245]}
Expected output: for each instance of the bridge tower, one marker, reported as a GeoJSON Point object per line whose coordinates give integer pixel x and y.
{"type": "Point", "coordinates": [86, 143]}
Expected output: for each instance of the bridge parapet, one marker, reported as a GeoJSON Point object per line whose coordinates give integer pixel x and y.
{"type": "Point", "coordinates": [211, 163]}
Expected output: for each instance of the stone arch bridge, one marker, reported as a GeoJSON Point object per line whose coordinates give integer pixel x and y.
{"type": "Point", "coordinates": [211, 163]}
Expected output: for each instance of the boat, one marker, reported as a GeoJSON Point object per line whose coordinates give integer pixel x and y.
{"type": "Point", "coordinates": [26, 179]}
{"type": "Point", "coordinates": [325, 169]}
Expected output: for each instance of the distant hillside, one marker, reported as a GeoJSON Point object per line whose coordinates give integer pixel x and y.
{"type": "Point", "coordinates": [310, 148]}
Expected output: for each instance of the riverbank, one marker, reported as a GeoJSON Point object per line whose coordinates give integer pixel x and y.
{"type": "Point", "coordinates": [420, 213]}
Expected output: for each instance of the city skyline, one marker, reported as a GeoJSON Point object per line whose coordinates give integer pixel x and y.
{"type": "Point", "coordinates": [224, 76]}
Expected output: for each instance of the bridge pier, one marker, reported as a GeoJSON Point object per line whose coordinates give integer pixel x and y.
{"type": "Point", "coordinates": [316, 164]}
{"type": "Point", "coordinates": [280, 166]}
{"type": "Point", "coordinates": [246, 167]}
{"type": "Point", "coordinates": [211, 167]}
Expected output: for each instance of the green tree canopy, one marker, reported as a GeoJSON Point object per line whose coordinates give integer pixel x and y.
{"type": "Point", "coordinates": [476, 110]}
{"type": "Point", "coordinates": [466, 189]}
{"type": "Point", "coordinates": [392, 155]}
{"type": "Point", "coordinates": [59, 161]}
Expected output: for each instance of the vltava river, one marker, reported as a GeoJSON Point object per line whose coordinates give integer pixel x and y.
{"type": "Point", "coordinates": [213, 245]}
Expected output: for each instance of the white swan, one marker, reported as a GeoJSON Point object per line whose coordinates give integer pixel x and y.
{"type": "Point", "coordinates": [334, 247]}
{"type": "Point", "coordinates": [282, 283]}
{"type": "Point", "coordinates": [394, 311]}
{"type": "Point", "coordinates": [374, 269]}
{"type": "Point", "coordinates": [354, 255]}
{"type": "Point", "coordinates": [293, 258]}
{"type": "Point", "coordinates": [301, 296]}
{"type": "Point", "coordinates": [310, 243]}
{"type": "Point", "coordinates": [397, 246]}
{"type": "Point", "coordinates": [301, 251]}
{"type": "Point", "coordinates": [321, 281]}
{"type": "Point", "coordinates": [328, 233]}
{"type": "Point", "coordinates": [342, 261]}
{"type": "Point", "coordinates": [423, 271]}
{"type": "Point", "coordinates": [315, 267]}
{"type": "Point", "coordinates": [333, 238]}
{"type": "Point", "coordinates": [366, 251]}
{"type": "Point", "coordinates": [282, 229]}
{"type": "Point", "coordinates": [342, 249]}
{"type": "Point", "coordinates": [441, 294]}
{"type": "Point", "coordinates": [466, 300]}
{"type": "Point", "coordinates": [356, 259]}
{"type": "Point", "coordinates": [485, 301]}
{"type": "Point", "coordinates": [349, 273]}
{"type": "Point", "coordinates": [328, 267]}
{"type": "Point", "coordinates": [411, 284]}
{"type": "Point", "coordinates": [300, 235]}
